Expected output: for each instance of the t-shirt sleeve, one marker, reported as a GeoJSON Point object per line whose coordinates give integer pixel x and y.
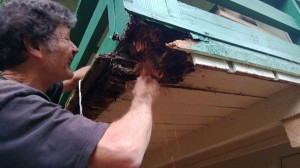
{"type": "Point", "coordinates": [38, 133]}
{"type": "Point", "coordinates": [54, 91]}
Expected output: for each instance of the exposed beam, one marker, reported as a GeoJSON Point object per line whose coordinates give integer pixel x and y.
{"type": "Point", "coordinates": [259, 117]}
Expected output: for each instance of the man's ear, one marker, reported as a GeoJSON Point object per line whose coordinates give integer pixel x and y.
{"type": "Point", "coordinates": [33, 48]}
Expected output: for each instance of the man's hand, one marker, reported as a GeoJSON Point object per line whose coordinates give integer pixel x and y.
{"type": "Point", "coordinates": [71, 84]}
{"type": "Point", "coordinates": [126, 140]}
{"type": "Point", "coordinates": [146, 87]}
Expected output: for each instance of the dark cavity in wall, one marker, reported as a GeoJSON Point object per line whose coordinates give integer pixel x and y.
{"type": "Point", "coordinates": [143, 43]}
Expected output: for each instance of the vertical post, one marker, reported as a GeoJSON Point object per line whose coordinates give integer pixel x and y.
{"type": "Point", "coordinates": [108, 14]}
{"type": "Point", "coordinates": [88, 43]}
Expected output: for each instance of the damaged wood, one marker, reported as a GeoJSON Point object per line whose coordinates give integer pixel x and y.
{"type": "Point", "coordinates": [146, 41]}
{"type": "Point", "coordinates": [103, 83]}
{"type": "Point", "coordinates": [142, 49]}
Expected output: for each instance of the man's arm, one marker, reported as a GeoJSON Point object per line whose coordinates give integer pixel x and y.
{"type": "Point", "coordinates": [125, 141]}
{"type": "Point", "coordinates": [72, 83]}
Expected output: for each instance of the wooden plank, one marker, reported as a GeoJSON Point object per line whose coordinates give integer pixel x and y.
{"type": "Point", "coordinates": [121, 18]}
{"type": "Point", "coordinates": [193, 110]}
{"type": "Point", "coordinates": [254, 71]}
{"type": "Point", "coordinates": [107, 44]}
{"type": "Point", "coordinates": [158, 6]}
{"type": "Point", "coordinates": [263, 12]}
{"type": "Point", "coordinates": [259, 117]}
{"type": "Point", "coordinates": [168, 108]}
{"type": "Point", "coordinates": [229, 52]}
{"type": "Point", "coordinates": [208, 98]}
{"type": "Point", "coordinates": [264, 140]}
{"type": "Point", "coordinates": [290, 7]}
{"type": "Point", "coordinates": [173, 8]}
{"type": "Point", "coordinates": [231, 33]}
{"type": "Point", "coordinates": [168, 134]}
{"type": "Point", "coordinates": [177, 127]}
{"type": "Point", "coordinates": [118, 20]}
{"type": "Point", "coordinates": [223, 81]}
{"type": "Point", "coordinates": [211, 62]}
{"type": "Point", "coordinates": [175, 119]}
{"type": "Point", "coordinates": [166, 7]}
{"type": "Point", "coordinates": [91, 35]}
{"type": "Point", "coordinates": [291, 126]}
{"type": "Point", "coordinates": [106, 14]}
{"type": "Point", "coordinates": [289, 78]}
{"type": "Point", "coordinates": [88, 42]}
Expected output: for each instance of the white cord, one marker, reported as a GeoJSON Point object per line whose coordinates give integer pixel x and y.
{"type": "Point", "coordinates": [80, 105]}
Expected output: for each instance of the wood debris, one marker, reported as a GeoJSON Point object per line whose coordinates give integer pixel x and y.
{"type": "Point", "coordinates": [142, 49]}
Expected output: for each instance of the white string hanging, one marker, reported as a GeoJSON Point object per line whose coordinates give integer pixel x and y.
{"type": "Point", "coordinates": [80, 97]}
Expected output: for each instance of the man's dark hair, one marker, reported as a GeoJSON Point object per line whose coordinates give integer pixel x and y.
{"type": "Point", "coordinates": [34, 20]}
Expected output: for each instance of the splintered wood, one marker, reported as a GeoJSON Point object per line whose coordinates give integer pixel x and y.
{"type": "Point", "coordinates": [146, 44]}
{"type": "Point", "coordinates": [142, 51]}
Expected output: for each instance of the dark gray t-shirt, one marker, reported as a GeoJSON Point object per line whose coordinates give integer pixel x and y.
{"type": "Point", "coordinates": [37, 133]}
{"type": "Point", "coordinates": [54, 92]}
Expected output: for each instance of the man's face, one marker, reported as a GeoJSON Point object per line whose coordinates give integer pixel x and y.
{"type": "Point", "coordinates": [59, 55]}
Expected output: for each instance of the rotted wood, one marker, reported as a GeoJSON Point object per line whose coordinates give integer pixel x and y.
{"type": "Point", "coordinates": [103, 83]}
{"type": "Point", "coordinates": [142, 50]}
{"type": "Point", "coordinates": [146, 41]}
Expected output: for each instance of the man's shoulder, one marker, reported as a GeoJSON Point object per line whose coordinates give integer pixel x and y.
{"type": "Point", "coordinates": [10, 90]}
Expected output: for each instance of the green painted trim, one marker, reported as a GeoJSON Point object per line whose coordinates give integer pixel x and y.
{"type": "Point", "coordinates": [221, 29]}
{"type": "Point", "coordinates": [263, 12]}
{"type": "Point", "coordinates": [91, 36]}
{"type": "Point", "coordinates": [291, 7]}
{"type": "Point", "coordinates": [88, 44]}
{"type": "Point", "coordinates": [108, 45]}
{"type": "Point", "coordinates": [165, 7]}
{"type": "Point", "coordinates": [121, 17]}
{"type": "Point", "coordinates": [118, 20]}
{"type": "Point", "coordinates": [84, 13]}
{"type": "Point", "coordinates": [229, 52]}
{"type": "Point", "coordinates": [78, 5]}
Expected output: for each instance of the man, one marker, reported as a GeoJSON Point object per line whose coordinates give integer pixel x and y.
{"type": "Point", "coordinates": [35, 52]}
